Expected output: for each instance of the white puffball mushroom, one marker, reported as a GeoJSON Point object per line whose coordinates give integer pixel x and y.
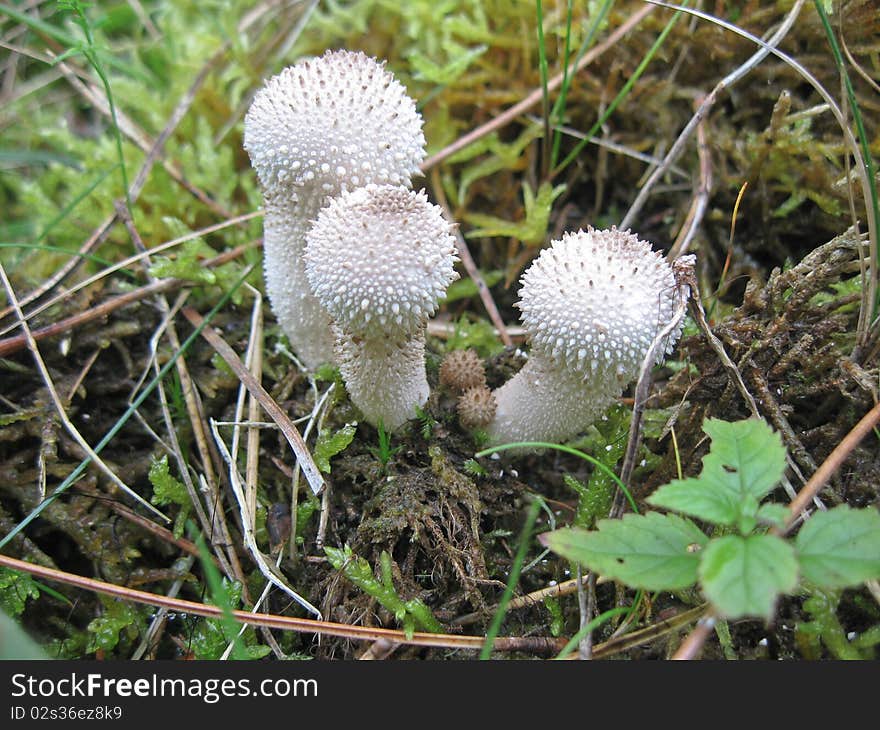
{"type": "Point", "coordinates": [322, 126]}
{"type": "Point", "coordinates": [592, 304]}
{"type": "Point", "coordinates": [378, 259]}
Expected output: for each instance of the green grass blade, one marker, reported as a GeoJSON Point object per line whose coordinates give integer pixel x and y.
{"type": "Point", "coordinates": [568, 450]}
{"type": "Point", "coordinates": [860, 126]}
{"type": "Point", "coordinates": [524, 539]}
{"type": "Point", "coordinates": [136, 403]}
{"type": "Point", "coordinates": [545, 94]}
{"type": "Point", "coordinates": [219, 597]}
{"type": "Point", "coordinates": [621, 95]}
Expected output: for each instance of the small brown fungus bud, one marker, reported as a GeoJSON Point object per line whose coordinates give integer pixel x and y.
{"type": "Point", "coordinates": [476, 407]}
{"type": "Point", "coordinates": [461, 370]}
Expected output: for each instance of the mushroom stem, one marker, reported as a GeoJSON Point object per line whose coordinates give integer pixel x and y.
{"type": "Point", "coordinates": [303, 319]}
{"type": "Point", "coordinates": [545, 403]}
{"type": "Point", "coordinates": [385, 377]}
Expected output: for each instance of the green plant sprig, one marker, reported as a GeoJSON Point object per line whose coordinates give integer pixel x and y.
{"type": "Point", "coordinates": [412, 613]}
{"type": "Point", "coordinates": [568, 450]}
{"type": "Point", "coordinates": [746, 564]}
{"type": "Point", "coordinates": [621, 95]}
{"type": "Point", "coordinates": [90, 53]}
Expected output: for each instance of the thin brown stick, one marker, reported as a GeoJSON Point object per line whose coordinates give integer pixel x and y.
{"type": "Point", "coordinates": [537, 644]}
{"type": "Point", "coordinates": [95, 239]}
{"type": "Point", "coordinates": [181, 543]}
{"type": "Point", "coordinates": [534, 98]}
{"type": "Point", "coordinates": [831, 464]}
{"type": "Point", "coordinates": [691, 646]}
{"type": "Point", "coordinates": [310, 469]}
{"type": "Point", "coordinates": [136, 258]}
{"type": "Point", "coordinates": [470, 266]}
{"type": "Point", "coordinates": [288, 623]}
{"type": "Point", "coordinates": [18, 342]}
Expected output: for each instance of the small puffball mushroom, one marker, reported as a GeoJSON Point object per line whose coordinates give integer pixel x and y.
{"type": "Point", "coordinates": [378, 259]}
{"type": "Point", "coordinates": [319, 127]}
{"type": "Point", "coordinates": [462, 369]}
{"type": "Point", "coordinates": [592, 304]}
{"type": "Point", "coordinates": [476, 407]}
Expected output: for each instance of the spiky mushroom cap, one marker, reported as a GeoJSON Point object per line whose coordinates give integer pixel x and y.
{"type": "Point", "coordinates": [379, 258]}
{"type": "Point", "coordinates": [334, 122]}
{"type": "Point", "coordinates": [325, 125]}
{"type": "Point", "coordinates": [595, 300]}
{"type": "Point", "coordinates": [592, 304]}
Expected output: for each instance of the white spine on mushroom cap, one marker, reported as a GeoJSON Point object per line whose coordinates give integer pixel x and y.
{"type": "Point", "coordinates": [318, 128]}
{"type": "Point", "coordinates": [378, 259]}
{"type": "Point", "coordinates": [592, 304]}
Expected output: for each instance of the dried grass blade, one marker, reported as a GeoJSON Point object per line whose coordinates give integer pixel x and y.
{"type": "Point", "coordinates": [310, 469]}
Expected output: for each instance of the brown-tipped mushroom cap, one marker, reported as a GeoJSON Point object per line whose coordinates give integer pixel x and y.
{"type": "Point", "coordinates": [325, 125]}
{"type": "Point", "coordinates": [476, 407]}
{"type": "Point", "coordinates": [334, 122]}
{"type": "Point", "coordinates": [378, 259]}
{"type": "Point", "coordinates": [592, 304]}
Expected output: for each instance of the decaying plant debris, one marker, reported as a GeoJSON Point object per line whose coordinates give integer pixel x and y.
{"type": "Point", "coordinates": [783, 295]}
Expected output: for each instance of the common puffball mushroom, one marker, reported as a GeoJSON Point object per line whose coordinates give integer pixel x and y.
{"type": "Point", "coordinates": [378, 259]}
{"type": "Point", "coordinates": [318, 128]}
{"type": "Point", "coordinates": [592, 304]}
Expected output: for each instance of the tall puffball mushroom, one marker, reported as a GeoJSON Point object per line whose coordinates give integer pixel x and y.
{"type": "Point", "coordinates": [378, 259]}
{"type": "Point", "coordinates": [592, 304]}
{"type": "Point", "coordinates": [318, 128]}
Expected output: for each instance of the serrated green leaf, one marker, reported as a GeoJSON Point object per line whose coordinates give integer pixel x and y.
{"type": "Point", "coordinates": [328, 445]}
{"type": "Point", "coordinates": [652, 551]}
{"type": "Point", "coordinates": [166, 489]}
{"type": "Point", "coordinates": [773, 513]}
{"type": "Point", "coordinates": [746, 460]}
{"type": "Point", "coordinates": [15, 589]}
{"type": "Point", "coordinates": [840, 547]}
{"type": "Point", "coordinates": [743, 576]}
